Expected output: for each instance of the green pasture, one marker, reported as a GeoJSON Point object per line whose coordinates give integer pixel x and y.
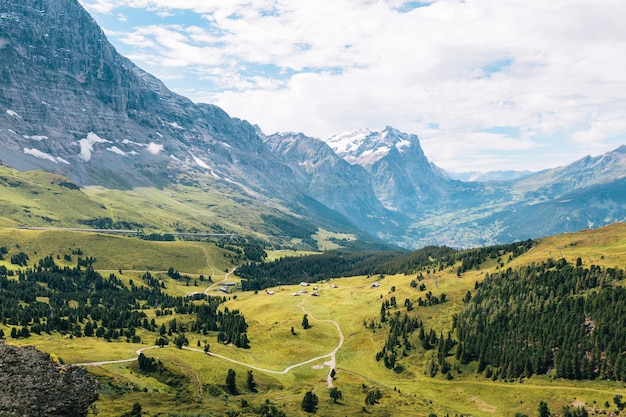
{"type": "Point", "coordinates": [196, 383]}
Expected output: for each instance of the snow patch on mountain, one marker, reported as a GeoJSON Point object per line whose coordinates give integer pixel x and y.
{"type": "Point", "coordinates": [14, 114]}
{"type": "Point", "coordinates": [35, 137]}
{"type": "Point", "coordinates": [116, 150]}
{"type": "Point", "coordinates": [402, 144]}
{"type": "Point", "coordinates": [155, 148]}
{"type": "Point", "coordinates": [86, 145]}
{"type": "Point", "coordinates": [347, 142]}
{"type": "Point", "coordinates": [204, 165]}
{"type": "Point", "coordinates": [130, 142]}
{"type": "Point", "coordinates": [366, 147]}
{"type": "Point", "coordinates": [42, 155]}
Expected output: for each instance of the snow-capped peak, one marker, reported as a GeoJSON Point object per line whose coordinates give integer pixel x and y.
{"type": "Point", "coordinates": [366, 147]}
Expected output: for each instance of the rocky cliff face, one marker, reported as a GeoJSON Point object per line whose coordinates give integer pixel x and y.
{"type": "Point", "coordinates": [333, 181]}
{"type": "Point", "coordinates": [70, 103]}
{"type": "Point", "coordinates": [34, 385]}
{"type": "Point", "coordinates": [403, 178]}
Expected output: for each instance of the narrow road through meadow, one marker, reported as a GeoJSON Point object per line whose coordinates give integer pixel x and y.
{"type": "Point", "coordinates": [332, 363]}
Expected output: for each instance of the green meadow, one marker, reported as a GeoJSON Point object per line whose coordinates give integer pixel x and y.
{"type": "Point", "coordinates": [194, 383]}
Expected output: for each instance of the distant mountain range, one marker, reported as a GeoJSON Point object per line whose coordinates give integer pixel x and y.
{"type": "Point", "coordinates": [478, 176]}
{"type": "Point", "coordinates": [71, 105]}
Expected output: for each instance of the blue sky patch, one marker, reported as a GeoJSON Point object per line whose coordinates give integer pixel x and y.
{"type": "Point", "coordinates": [512, 132]}
{"type": "Point", "coordinates": [497, 66]}
{"type": "Point", "coordinates": [412, 5]}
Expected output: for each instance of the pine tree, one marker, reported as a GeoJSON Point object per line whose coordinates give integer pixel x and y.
{"type": "Point", "coordinates": [309, 402]}
{"type": "Point", "coordinates": [250, 382]}
{"type": "Point", "coordinates": [335, 394]}
{"type": "Point", "coordinates": [543, 410]}
{"type": "Point", "coordinates": [231, 384]}
{"type": "Point", "coordinates": [305, 322]}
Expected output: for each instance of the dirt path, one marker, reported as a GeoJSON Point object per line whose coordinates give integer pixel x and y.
{"type": "Point", "coordinates": [220, 282]}
{"type": "Point", "coordinates": [118, 361]}
{"type": "Point", "coordinates": [331, 363]}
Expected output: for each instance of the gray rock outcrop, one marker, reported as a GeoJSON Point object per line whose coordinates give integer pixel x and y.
{"type": "Point", "coordinates": [34, 385]}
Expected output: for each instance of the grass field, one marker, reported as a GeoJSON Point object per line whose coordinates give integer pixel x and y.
{"type": "Point", "coordinates": [196, 383]}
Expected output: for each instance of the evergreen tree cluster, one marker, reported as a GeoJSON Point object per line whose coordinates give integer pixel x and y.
{"type": "Point", "coordinates": [343, 263]}
{"type": "Point", "coordinates": [230, 325]}
{"type": "Point", "coordinates": [80, 302]}
{"type": "Point", "coordinates": [148, 365]}
{"type": "Point", "coordinates": [551, 316]}
{"type": "Point", "coordinates": [398, 344]}
{"type": "Point", "coordinates": [312, 268]}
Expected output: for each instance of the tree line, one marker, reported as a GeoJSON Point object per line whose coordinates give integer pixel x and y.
{"type": "Point", "coordinates": [79, 301]}
{"type": "Point", "coordinates": [344, 263]}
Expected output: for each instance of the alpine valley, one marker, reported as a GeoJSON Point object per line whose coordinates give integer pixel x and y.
{"type": "Point", "coordinates": [71, 105]}
{"type": "Point", "coordinates": [161, 258]}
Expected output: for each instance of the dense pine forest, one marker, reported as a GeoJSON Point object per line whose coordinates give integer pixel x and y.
{"type": "Point", "coordinates": [551, 317]}
{"type": "Point", "coordinates": [80, 302]}
{"type": "Point", "coordinates": [341, 263]}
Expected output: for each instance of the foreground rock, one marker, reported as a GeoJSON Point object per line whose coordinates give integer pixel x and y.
{"type": "Point", "coordinates": [35, 385]}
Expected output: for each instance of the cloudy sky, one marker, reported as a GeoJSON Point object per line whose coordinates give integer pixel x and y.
{"type": "Point", "coordinates": [485, 84]}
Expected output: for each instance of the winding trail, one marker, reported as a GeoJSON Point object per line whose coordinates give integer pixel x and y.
{"type": "Point", "coordinates": [330, 363]}
{"type": "Point", "coordinates": [118, 361]}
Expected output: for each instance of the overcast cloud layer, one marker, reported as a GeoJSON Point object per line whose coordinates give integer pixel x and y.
{"type": "Point", "coordinates": [485, 84]}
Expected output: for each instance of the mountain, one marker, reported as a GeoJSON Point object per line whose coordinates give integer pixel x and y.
{"type": "Point", "coordinates": [135, 155]}
{"type": "Point", "coordinates": [585, 194]}
{"type": "Point", "coordinates": [334, 182]}
{"type": "Point", "coordinates": [586, 172]}
{"type": "Point", "coordinates": [477, 176]}
{"type": "Point", "coordinates": [403, 178]}
{"type": "Point", "coordinates": [71, 105]}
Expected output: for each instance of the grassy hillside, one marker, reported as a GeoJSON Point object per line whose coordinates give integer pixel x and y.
{"type": "Point", "coordinates": [194, 383]}
{"type": "Point", "coordinates": [39, 199]}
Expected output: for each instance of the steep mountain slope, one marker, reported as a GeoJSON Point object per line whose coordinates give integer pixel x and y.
{"type": "Point", "coordinates": [70, 104]}
{"type": "Point", "coordinates": [586, 172]}
{"type": "Point", "coordinates": [403, 178]}
{"type": "Point", "coordinates": [334, 182]}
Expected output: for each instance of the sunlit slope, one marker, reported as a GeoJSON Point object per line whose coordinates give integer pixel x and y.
{"type": "Point", "coordinates": [354, 304]}
{"type": "Point", "coordinates": [605, 246]}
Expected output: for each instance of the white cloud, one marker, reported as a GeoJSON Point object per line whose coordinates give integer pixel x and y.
{"type": "Point", "coordinates": [551, 71]}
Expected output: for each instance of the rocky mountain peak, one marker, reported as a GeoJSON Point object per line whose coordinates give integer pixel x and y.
{"type": "Point", "coordinates": [366, 147]}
